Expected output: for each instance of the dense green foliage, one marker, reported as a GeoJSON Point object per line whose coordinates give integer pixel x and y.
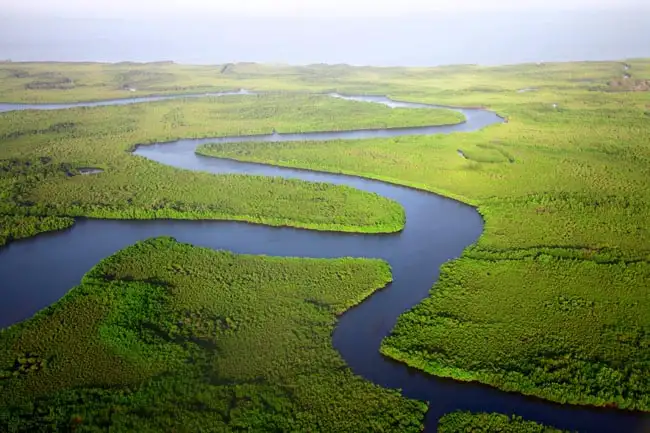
{"type": "Point", "coordinates": [467, 422]}
{"type": "Point", "coordinates": [41, 153]}
{"type": "Point", "coordinates": [553, 299]}
{"type": "Point", "coordinates": [164, 336]}
{"type": "Point", "coordinates": [19, 226]}
{"type": "Point", "coordinates": [582, 333]}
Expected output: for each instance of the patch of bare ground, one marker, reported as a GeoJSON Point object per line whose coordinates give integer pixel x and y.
{"type": "Point", "coordinates": [628, 84]}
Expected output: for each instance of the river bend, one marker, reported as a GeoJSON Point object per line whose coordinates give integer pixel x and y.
{"type": "Point", "coordinates": [38, 271]}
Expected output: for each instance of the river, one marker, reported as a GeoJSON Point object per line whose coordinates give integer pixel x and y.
{"type": "Point", "coordinates": [38, 271]}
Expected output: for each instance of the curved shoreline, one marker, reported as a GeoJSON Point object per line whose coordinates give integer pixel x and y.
{"type": "Point", "coordinates": [437, 229]}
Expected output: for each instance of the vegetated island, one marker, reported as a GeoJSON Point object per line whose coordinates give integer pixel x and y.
{"type": "Point", "coordinates": [164, 336]}
{"type": "Point", "coordinates": [43, 152]}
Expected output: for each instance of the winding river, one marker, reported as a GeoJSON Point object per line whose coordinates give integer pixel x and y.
{"type": "Point", "coordinates": [36, 272]}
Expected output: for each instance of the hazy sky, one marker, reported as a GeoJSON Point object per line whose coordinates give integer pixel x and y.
{"type": "Point", "coordinates": [124, 8]}
{"type": "Point", "coordinates": [359, 32]}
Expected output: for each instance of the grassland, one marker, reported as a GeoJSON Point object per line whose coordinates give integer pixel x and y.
{"type": "Point", "coordinates": [465, 422]}
{"type": "Point", "coordinates": [553, 299]}
{"type": "Point", "coordinates": [476, 85]}
{"type": "Point", "coordinates": [41, 153]}
{"type": "Point", "coordinates": [163, 336]}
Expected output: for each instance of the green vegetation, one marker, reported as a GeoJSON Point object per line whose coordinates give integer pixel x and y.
{"type": "Point", "coordinates": [467, 422]}
{"type": "Point", "coordinates": [562, 264]}
{"type": "Point", "coordinates": [164, 336]}
{"type": "Point", "coordinates": [553, 299]}
{"type": "Point", "coordinates": [581, 335]}
{"type": "Point", "coordinates": [19, 82]}
{"type": "Point", "coordinates": [19, 226]}
{"type": "Point", "coordinates": [41, 153]}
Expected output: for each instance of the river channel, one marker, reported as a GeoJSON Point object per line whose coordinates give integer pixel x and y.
{"type": "Point", "coordinates": [38, 271]}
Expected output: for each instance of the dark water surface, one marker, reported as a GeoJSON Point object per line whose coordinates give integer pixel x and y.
{"type": "Point", "coordinates": [36, 272]}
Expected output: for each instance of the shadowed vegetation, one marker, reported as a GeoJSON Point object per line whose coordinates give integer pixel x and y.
{"type": "Point", "coordinates": [466, 422]}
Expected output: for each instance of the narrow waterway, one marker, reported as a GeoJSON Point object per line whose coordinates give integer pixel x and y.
{"type": "Point", "coordinates": [36, 272]}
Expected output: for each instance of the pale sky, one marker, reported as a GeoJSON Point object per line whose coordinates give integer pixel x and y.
{"type": "Point", "coordinates": [125, 8]}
